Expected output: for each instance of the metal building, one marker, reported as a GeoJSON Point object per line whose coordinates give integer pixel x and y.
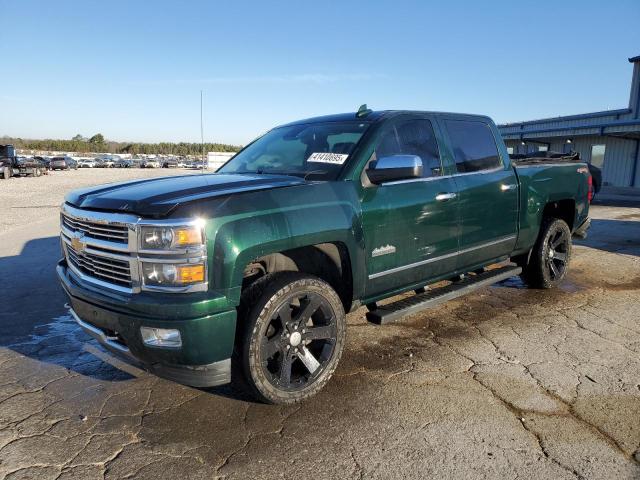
{"type": "Point", "coordinates": [609, 140]}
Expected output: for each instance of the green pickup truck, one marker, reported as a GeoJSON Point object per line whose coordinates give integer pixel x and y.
{"type": "Point", "coordinates": [247, 273]}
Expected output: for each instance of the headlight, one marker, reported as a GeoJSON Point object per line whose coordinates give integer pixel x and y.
{"type": "Point", "coordinates": [170, 238]}
{"type": "Point", "coordinates": [172, 275]}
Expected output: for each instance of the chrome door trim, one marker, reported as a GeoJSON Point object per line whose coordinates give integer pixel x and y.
{"type": "Point", "coordinates": [441, 257]}
{"type": "Point", "coordinates": [482, 172]}
{"type": "Point", "coordinates": [415, 180]}
{"type": "Point", "coordinates": [440, 177]}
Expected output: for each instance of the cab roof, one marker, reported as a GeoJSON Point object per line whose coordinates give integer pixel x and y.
{"type": "Point", "coordinates": [378, 115]}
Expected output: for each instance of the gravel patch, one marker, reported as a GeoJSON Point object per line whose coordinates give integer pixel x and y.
{"type": "Point", "coordinates": [26, 200]}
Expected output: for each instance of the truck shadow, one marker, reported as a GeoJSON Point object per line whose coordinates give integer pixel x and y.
{"type": "Point", "coordinates": [616, 236]}
{"type": "Point", "coordinates": [605, 201]}
{"type": "Point", "coordinates": [33, 317]}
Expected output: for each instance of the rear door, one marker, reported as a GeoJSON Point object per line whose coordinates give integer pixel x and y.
{"type": "Point", "coordinates": [487, 192]}
{"type": "Point", "coordinates": [411, 226]}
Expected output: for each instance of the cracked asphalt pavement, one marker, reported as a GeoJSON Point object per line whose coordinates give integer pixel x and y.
{"type": "Point", "coordinates": [505, 383]}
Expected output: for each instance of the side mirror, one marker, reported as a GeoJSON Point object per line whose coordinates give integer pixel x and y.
{"type": "Point", "coordinates": [395, 167]}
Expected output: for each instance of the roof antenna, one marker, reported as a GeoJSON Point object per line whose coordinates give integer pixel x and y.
{"type": "Point", "coordinates": [363, 111]}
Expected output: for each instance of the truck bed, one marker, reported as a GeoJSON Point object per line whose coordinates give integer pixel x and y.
{"type": "Point", "coordinates": [546, 181]}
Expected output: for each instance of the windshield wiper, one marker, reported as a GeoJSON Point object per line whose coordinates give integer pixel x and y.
{"type": "Point", "coordinates": [314, 172]}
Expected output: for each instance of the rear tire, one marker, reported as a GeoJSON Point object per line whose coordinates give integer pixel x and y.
{"type": "Point", "coordinates": [549, 260]}
{"type": "Point", "coordinates": [291, 336]}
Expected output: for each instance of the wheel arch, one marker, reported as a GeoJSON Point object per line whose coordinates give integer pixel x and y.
{"type": "Point", "coordinates": [329, 261]}
{"type": "Point", "coordinates": [564, 209]}
{"type": "Point", "coordinates": [245, 253]}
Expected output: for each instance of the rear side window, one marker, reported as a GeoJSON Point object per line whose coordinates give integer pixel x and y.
{"type": "Point", "coordinates": [474, 147]}
{"type": "Point", "coordinates": [412, 137]}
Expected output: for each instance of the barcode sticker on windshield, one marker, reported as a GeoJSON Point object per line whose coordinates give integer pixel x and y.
{"type": "Point", "coordinates": [333, 158]}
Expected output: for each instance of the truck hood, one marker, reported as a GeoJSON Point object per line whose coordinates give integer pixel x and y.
{"type": "Point", "coordinates": [159, 196]}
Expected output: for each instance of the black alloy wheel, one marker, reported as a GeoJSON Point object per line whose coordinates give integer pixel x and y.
{"type": "Point", "coordinates": [557, 253]}
{"type": "Point", "coordinates": [294, 339]}
{"type": "Point", "coordinates": [298, 341]}
{"type": "Point", "coordinates": [549, 260]}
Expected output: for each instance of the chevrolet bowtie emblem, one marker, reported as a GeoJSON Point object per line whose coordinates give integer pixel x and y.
{"type": "Point", "coordinates": [77, 242]}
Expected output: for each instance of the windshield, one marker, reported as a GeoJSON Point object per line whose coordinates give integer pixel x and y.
{"type": "Point", "coordinates": [313, 150]}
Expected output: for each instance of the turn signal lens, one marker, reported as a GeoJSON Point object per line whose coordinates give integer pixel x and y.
{"type": "Point", "coordinates": [191, 273]}
{"type": "Point", "coordinates": [191, 236]}
{"type": "Point", "coordinates": [173, 275]}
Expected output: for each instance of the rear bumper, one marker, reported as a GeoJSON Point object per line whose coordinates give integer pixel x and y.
{"type": "Point", "coordinates": [203, 360]}
{"type": "Point", "coordinates": [581, 231]}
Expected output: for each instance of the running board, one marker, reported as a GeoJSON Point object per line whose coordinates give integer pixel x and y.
{"type": "Point", "coordinates": [407, 306]}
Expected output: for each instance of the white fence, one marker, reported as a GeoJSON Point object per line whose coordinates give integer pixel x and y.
{"type": "Point", "coordinates": [216, 159]}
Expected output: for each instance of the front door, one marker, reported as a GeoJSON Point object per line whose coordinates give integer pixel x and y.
{"type": "Point", "coordinates": [487, 193]}
{"type": "Point", "coordinates": [410, 226]}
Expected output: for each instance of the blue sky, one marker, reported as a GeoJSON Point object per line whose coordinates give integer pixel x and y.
{"type": "Point", "coordinates": [133, 70]}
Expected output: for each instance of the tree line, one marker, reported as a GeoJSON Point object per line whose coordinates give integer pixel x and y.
{"type": "Point", "coordinates": [98, 144]}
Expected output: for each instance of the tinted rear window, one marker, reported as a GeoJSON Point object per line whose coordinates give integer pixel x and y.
{"type": "Point", "coordinates": [474, 147]}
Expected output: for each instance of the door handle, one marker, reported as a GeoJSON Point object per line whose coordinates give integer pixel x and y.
{"type": "Point", "coordinates": [443, 197]}
{"type": "Point", "coordinates": [511, 186]}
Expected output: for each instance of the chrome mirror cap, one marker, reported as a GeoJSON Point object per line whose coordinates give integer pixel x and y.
{"type": "Point", "coordinates": [395, 167]}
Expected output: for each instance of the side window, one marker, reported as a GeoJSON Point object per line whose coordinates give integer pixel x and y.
{"type": "Point", "coordinates": [474, 147]}
{"type": "Point", "coordinates": [388, 144]}
{"type": "Point", "coordinates": [412, 137]}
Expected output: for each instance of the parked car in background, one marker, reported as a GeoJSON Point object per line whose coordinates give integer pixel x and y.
{"type": "Point", "coordinates": [181, 163]}
{"type": "Point", "coordinates": [150, 164]}
{"type": "Point", "coordinates": [86, 163]}
{"type": "Point", "coordinates": [63, 163]}
{"type": "Point", "coordinates": [596, 175]}
{"type": "Point", "coordinates": [12, 165]}
{"type": "Point", "coordinates": [170, 163]}
{"type": "Point", "coordinates": [45, 160]}
{"type": "Point", "coordinates": [7, 160]}
{"type": "Point", "coordinates": [104, 163]}
{"type": "Point", "coordinates": [29, 167]}
{"type": "Point", "coordinates": [123, 164]}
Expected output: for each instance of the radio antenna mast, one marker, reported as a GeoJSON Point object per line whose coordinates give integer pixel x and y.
{"type": "Point", "coordinates": [201, 132]}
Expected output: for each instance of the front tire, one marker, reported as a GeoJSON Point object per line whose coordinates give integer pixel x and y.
{"type": "Point", "coordinates": [294, 331]}
{"type": "Point", "coordinates": [550, 256]}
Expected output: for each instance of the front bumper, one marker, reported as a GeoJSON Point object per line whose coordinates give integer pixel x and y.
{"type": "Point", "coordinates": [203, 360]}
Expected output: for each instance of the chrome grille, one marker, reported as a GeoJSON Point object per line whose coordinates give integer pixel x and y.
{"type": "Point", "coordinates": [102, 248]}
{"type": "Point", "coordinates": [103, 268]}
{"type": "Point", "coordinates": [100, 231]}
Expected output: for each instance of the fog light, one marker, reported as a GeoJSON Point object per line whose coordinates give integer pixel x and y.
{"type": "Point", "coordinates": [161, 337]}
